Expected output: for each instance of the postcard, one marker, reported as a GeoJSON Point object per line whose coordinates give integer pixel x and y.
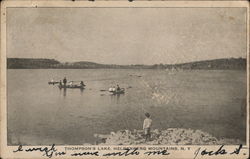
{"type": "Point", "coordinates": [125, 79]}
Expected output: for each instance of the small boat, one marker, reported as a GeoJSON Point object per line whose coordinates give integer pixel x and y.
{"type": "Point", "coordinates": [71, 86]}
{"type": "Point", "coordinates": [121, 91]}
{"type": "Point", "coordinates": [53, 82]}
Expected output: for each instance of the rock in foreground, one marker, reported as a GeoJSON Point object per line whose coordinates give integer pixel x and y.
{"type": "Point", "coordinates": [171, 136]}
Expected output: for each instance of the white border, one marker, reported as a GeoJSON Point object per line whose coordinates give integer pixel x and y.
{"type": "Point", "coordinates": [6, 151]}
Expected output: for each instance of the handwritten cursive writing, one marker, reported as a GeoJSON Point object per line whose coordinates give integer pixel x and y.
{"type": "Point", "coordinates": [163, 152]}
{"type": "Point", "coordinates": [220, 151]}
{"type": "Point", "coordinates": [237, 150]}
{"type": "Point", "coordinates": [47, 151]}
{"type": "Point", "coordinates": [127, 152]}
{"type": "Point", "coordinates": [96, 153]}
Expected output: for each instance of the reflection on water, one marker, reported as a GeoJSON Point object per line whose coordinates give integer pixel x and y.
{"type": "Point", "coordinates": [81, 90]}
{"type": "Point", "coordinates": [116, 97]}
{"type": "Point", "coordinates": [64, 90]}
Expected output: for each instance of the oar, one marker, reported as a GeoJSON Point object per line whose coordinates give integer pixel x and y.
{"type": "Point", "coordinates": [74, 81]}
{"type": "Point", "coordinates": [54, 82]}
{"type": "Point", "coordinates": [103, 90]}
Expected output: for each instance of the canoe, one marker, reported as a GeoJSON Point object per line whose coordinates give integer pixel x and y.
{"type": "Point", "coordinates": [53, 83]}
{"type": "Point", "coordinates": [71, 86]}
{"type": "Point", "coordinates": [121, 91]}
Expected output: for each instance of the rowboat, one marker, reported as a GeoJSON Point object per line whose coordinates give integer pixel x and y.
{"type": "Point", "coordinates": [121, 91]}
{"type": "Point", "coordinates": [53, 82]}
{"type": "Point", "coordinates": [71, 86]}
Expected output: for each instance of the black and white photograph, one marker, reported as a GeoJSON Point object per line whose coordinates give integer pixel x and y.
{"type": "Point", "coordinates": [95, 76]}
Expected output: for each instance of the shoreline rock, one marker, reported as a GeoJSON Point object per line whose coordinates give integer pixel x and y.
{"type": "Point", "coordinates": [171, 136]}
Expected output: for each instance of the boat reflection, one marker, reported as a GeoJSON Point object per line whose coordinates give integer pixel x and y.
{"type": "Point", "coordinates": [64, 90]}
{"type": "Point", "coordinates": [116, 97]}
{"type": "Point", "coordinates": [81, 90]}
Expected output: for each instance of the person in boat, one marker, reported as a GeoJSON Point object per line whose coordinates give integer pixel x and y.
{"type": "Point", "coordinates": [82, 84]}
{"type": "Point", "coordinates": [118, 88]}
{"type": "Point", "coordinates": [112, 89]}
{"type": "Point", "coordinates": [147, 126]}
{"type": "Point", "coordinates": [64, 81]}
{"type": "Point", "coordinates": [71, 83]}
{"type": "Point", "coordinates": [60, 83]}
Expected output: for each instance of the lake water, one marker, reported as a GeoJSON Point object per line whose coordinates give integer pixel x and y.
{"type": "Point", "coordinates": [213, 101]}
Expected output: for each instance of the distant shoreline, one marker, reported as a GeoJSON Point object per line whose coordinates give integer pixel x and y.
{"type": "Point", "coordinates": [216, 64]}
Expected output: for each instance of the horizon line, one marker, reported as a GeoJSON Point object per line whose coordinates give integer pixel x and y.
{"type": "Point", "coordinates": [129, 64]}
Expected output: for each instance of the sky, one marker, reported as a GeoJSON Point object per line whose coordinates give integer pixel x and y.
{"type": "Point", "coordinates": [126, 35]}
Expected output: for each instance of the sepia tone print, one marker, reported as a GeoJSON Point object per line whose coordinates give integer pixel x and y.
{"type": "Point", "coordinates": [126, 76]}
